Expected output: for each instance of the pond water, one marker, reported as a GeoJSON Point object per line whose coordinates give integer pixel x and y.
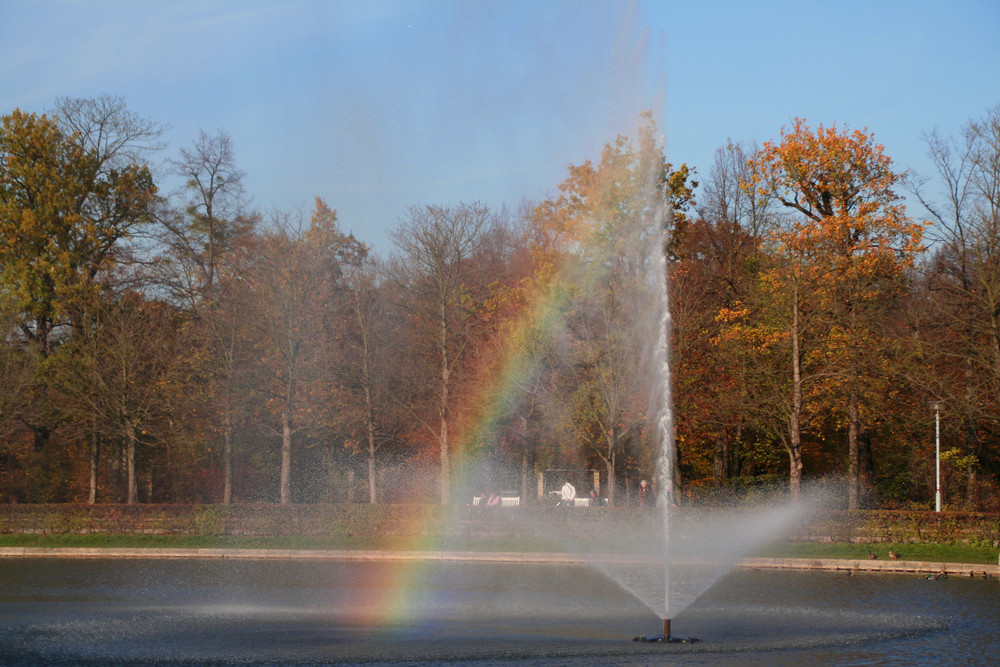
{"type": "Point", "coordinates": [267, 612]}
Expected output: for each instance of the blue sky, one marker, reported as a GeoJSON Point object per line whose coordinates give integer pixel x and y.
{"type": "Point", "coordinates": [378, 106]}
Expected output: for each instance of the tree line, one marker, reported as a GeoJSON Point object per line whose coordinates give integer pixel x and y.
{"type": "Point", "coordinates": [182, 346]}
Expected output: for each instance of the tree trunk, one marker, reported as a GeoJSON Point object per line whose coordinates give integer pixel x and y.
{"type": "Point", "coordinates": [735, 452]}
{"type": "Point", "coordinates": [39, 437]}
{"type": "Point", "coordinates": [720, 461]}
{"type": "Point", "coordinates": [227, 461]}
{"type": "Point", "coordinates": [133, 483]}
{"type": "Point", "coordinates": [527, 460]}
{"type": "Point", "coordinates": [612, 482]}
{"type": "Point", "coordinates": [972, 449]}
{"type": "Point", "coordinates": [971, 436]}
{"type": "Point", "coordinates": [370, 427]}
{"type": "Point", "coordinates": [528, 482]}
{"type": "Point", "coordinates": [609, 463]}
{"type": "Point", "coordinates": [525, 470]}
{"type": "Point", "coordinates": [795, 418]}
{"type": "Point", "coordinates": [445, 481]}
{"type": "Point", "coordinates": [95, 454]}
{"type": "Point", "coordinates": [866, 469]}
{"type": "Point", "coordinates": [286, 457]}
{"type": "Point", "coordinates": [795, 466]}
{"type": "Point", "coordinates": [852, 452]}
{"type": "Point", "coordinates": [372, 493]}
{"type": "Point", "coordinates": [444, 408]}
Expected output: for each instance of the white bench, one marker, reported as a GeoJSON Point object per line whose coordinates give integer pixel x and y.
{"type": "Point", "coordinates": [505, 501]}
{"type": "Point", "coordinates": [586, 502]}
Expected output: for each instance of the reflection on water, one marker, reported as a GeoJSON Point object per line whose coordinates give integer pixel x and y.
{"type": "Point", "coordinates": [194, 612]}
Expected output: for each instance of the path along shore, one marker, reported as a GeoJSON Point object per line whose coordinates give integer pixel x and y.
{"type": "Point", "coordinates": [828, 564]}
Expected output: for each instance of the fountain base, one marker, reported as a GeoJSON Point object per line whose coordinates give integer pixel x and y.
{"type": "Point", "coordinates": [666, 637]}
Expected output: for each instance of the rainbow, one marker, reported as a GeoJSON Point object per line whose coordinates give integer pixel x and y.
{"type": "Point", "coordinates": [390, 593]}
{"type": "Point", "coordinates": [567, 265]}
{"type": "Point", "coordinates": [544, 300]}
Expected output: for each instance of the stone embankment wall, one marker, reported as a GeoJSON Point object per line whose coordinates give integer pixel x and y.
{"type": "Point", "coordinates": [250, 519]}
{"type": "Point", "coordinates": [406, 520]}
{"type": "Point", "coordinates": [900, 526]}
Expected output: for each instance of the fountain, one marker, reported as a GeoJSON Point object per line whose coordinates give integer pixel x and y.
{"type": "Point", "coordinates": [668, 557]}
{"type": "Point", "coordinates": [667, 459]}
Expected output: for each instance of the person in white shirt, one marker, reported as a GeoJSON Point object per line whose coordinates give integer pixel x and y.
{"type": "Point", "coordinates": [567, 495]}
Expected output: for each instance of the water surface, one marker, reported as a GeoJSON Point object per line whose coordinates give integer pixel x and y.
{"type": "Point", "coordinates": [236, 612]}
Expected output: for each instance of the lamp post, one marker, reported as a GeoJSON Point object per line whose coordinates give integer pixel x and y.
{"type": "Point", "coordinates": [936, 407]}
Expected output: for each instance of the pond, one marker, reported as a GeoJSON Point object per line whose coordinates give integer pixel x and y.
{"type": "Point", "coordinates": [268, 612]}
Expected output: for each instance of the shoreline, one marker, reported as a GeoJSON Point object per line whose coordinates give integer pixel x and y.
{"type": "Point", "coordinates": [819, 564]}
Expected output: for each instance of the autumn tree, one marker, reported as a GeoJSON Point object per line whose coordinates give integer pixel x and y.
{"type": "Point", "coordinates": [198, 237]}
{"type": "Point", "coordinates": [773, 336]}
{"type": "Point", "coordinates": [125, 373]}
{"type": "Point", "coordinates": [722, 377]}
{"type": "Point", "coordinates": [442, 289]}
{"type": "Point", "coordinates": [60, 220]}
{"type": "Point", "coordinates": [363, 355]}
{"type": "Point", "coordinates": [121, 194]}
{"type": "Point", "coordinates": [515, 362]}
{"type": "Point", "coordinates": [607, 221]}
{"type": "Point", "coordinates": [73, 190]}
{"type": "Point", "coordinates": [19, 368]}
{"type": "Point", "coordinates": [286, 283]}
{"type": "Point", "coordinates": [852, 243]}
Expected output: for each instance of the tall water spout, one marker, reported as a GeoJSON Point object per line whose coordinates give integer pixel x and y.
{"type": "Point", "coordinates": [667, 455]}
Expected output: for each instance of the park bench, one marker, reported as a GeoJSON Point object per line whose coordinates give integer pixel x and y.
{"type": "Point", "coordinates": [505, 501]}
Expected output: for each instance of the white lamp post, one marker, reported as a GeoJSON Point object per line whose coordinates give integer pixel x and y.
{"type": "Point", "coordinates": [936, 406]}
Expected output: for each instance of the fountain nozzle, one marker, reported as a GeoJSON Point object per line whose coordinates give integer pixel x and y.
{"type": "Point", "coordinates": [666, 637]}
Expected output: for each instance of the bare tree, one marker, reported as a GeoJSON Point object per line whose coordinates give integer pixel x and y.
{"type": "Point", "coordinates": [440, 284]}
{"type": "Point", "coordinates": [606, 374]}
{"type": "Point", "coordinates": [19, 367]}
{"type": "Point", "coordinates": [213, 206]}
{"type": "Point", "coordinates": [365, 356]}
{"type": "Point", "coordinates": [107, 128]}
{"type": "Point", "coordinates": [199, 272]}
{"type": "Point", "coordinates": [960, 336]}
{"type": "Point", "coordinates": [287, 283]}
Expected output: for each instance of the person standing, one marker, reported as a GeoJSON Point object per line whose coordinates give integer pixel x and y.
{"type": "Point", "coordinates": [643, 493]}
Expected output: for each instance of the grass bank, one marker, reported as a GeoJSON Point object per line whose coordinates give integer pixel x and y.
{"type": "Point", "coordinates": [944, 553]}
{"type": "Point", "coordinates": [340, 542]}
{"type": "Point", "coordinates": [955, 537]}
{"type": "Point", "coordinates": [940, 553]}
